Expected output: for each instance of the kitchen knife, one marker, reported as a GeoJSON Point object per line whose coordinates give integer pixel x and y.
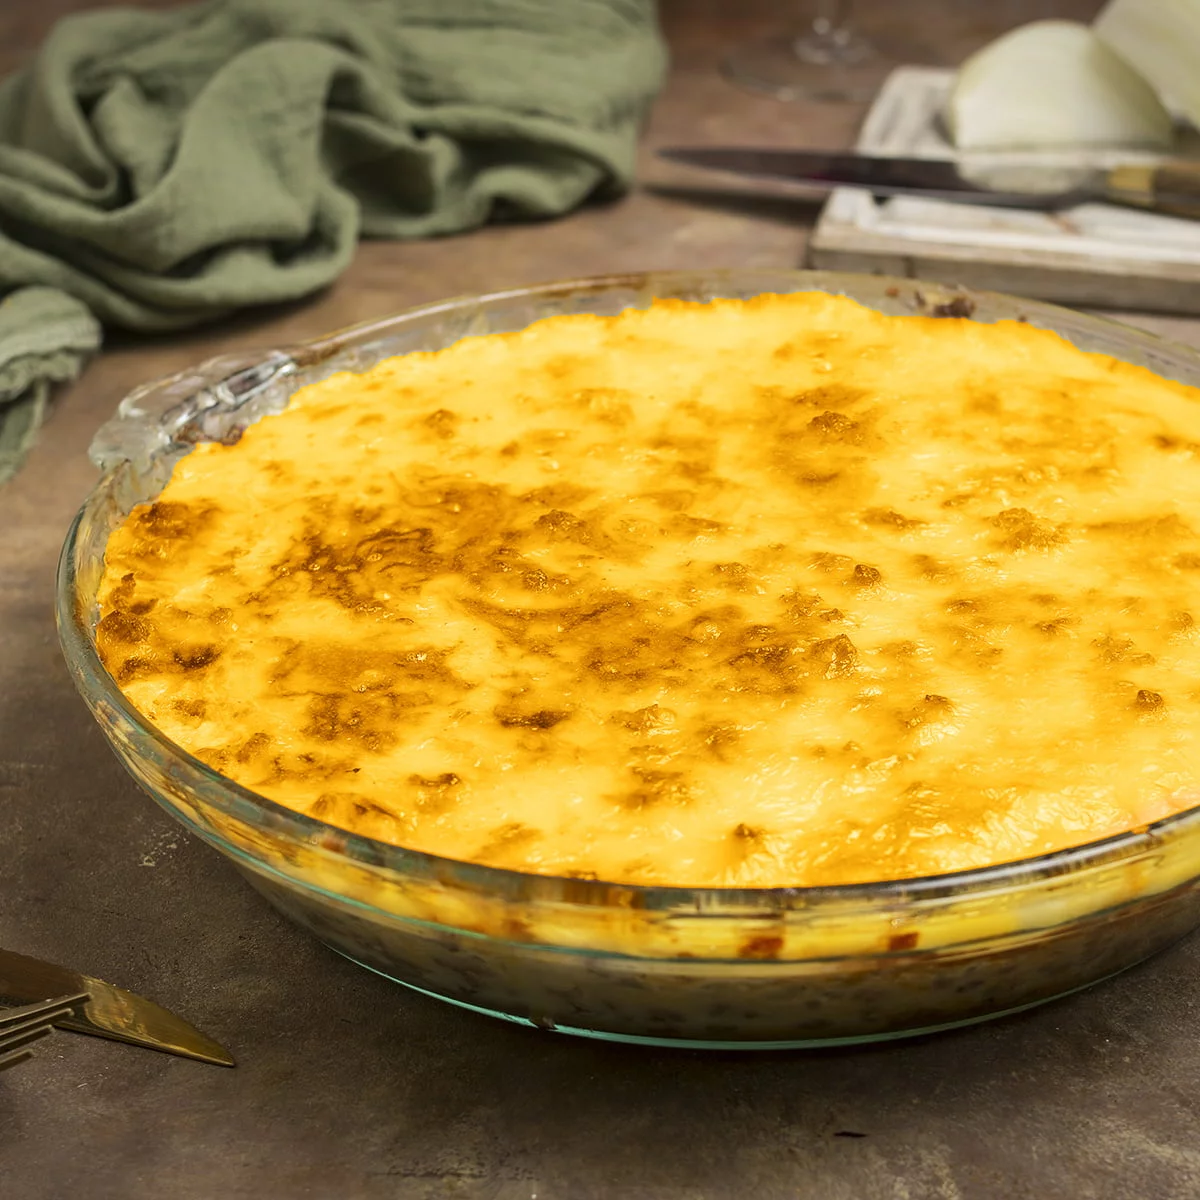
{"type": "Point", "coordinates": [1171, 186]}
{"type": "Point", "coordinates": [110, 1012]}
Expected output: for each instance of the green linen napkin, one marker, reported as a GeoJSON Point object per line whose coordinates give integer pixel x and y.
{"type": "Point", "coordinates": [162, 168]}
{"type": "Point", "coordinates": [45, 337]}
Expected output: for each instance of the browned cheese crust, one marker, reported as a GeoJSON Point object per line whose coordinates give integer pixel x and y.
{"type": "Point", "coordinates": [778, 592]}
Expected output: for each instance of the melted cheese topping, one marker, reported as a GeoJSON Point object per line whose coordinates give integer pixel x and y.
{"type": "Point", "coordinates": [778, 592]}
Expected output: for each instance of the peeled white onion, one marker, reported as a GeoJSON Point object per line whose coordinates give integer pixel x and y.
{"type": "Point", "coordinates": [1053, 84]}
{"type": "Point", "coordinates": [1161, 38]}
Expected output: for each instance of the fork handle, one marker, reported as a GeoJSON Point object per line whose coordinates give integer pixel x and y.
{"type": "Point", "coordinates": [1168, 187]}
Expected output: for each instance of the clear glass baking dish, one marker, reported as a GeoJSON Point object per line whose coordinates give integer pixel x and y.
{"type": "Point", "coordinates": [685, 966]}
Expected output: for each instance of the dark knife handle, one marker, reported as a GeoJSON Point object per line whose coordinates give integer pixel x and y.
{"type": "Point", "coordinates": [1168, 187]}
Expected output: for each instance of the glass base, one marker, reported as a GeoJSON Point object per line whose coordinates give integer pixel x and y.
{"type": "Point", "coordinates": [804, 67]}
{"type": "Point", "coordinates": [635, 1039]}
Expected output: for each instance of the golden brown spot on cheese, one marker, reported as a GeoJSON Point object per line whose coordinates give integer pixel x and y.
{"type": "Point", "coordinates": [777, 592]}
{"type": "Point", "coordinates": [932, 708]}
{"type": "Point", "coordinates": [1057, 626]}
{"type": "Point", "coordinates": [1021, 530]}
{"type": "Point", "coordinates": [195, 658]}
{"type": "Point", "coordinates": [652, 718]}
{"type": "Point", "coordinates": [442, 423]}
{"type": "Point", "coordinates": [889, 516]}
{"type": "Point", "coordinates": [653, 787]}
{"type": "Point", "coordinates": [352, 810]}
{"type": "Point", "coordinates": [1181, 622]}
{"type": "Point", "coordinates": [121, 627]}
{"type": "Point", "coordinates": [799, 605]}
{"type": "Point", "coordinates": [511, 715]}
{"type": "Point", "coordinates": [834, 657]}
{"type": "Point", "coordinates": [836, 427]}
{"type": "Point", "coordinates": [1112, 649]}
{"type": "Point", "coordinates": [506, 838]}
{"type": "Point", "coordinates": [812, 478]}
{"type": "Point", "coordinates": [168, 521]}
{"type": "Point", "coordinates": [253, 747]}
{"type": "Point", "coordinates": [734, 575]}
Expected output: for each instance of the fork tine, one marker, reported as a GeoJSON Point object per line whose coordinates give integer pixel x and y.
{"type": "Point", "coordinates": [13, 1058]}
{"type": "Point", "coordinates": [12, 1040]}
{"type": "Point", "coordinates": [58, 1006]}
{"type": "Point", "coordinates": [42, 1020]}
{"type": "Point", "coordinates": [14, 1044]}
{"type": "Point", "coordinates": [19, 1027]}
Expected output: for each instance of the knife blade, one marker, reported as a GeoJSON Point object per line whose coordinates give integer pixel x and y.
{"type": "Point", "coordinates": [1171, 186]}
{"type": "Point", "coordinates": [111, 1012]}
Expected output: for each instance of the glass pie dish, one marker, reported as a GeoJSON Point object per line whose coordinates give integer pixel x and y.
{"type": "Point", "coordinates": [712, 967]}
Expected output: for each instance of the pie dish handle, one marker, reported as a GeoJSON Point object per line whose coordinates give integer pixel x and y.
{"type": "Point", "coordinates": [213, 402]}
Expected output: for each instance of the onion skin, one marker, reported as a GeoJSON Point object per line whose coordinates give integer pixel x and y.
{"type": "Point", "coordinates": [1053, 85]}
{"type": "Point", "coordinates": [1161, 39]}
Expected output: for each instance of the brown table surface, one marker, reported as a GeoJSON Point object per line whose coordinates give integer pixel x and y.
{"type": "Point", "coordinates": [349, 1086]}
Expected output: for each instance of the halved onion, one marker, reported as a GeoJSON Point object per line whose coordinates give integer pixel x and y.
{"type": "Point", "coordinates": [1053, 84]}
{"type": "Point", "coordinates": [1161, 38]}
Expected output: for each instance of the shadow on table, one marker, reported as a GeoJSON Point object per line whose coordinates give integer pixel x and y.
{"type": "Point", "coordinates": [1061, 1089]}
{"type": "Point", "coordinates": [792, 208]}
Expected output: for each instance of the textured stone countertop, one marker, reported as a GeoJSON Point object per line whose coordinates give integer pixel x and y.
{"type": "Point", "coordinates": [350, 1087]}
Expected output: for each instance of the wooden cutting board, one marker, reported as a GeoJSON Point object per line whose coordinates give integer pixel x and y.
{"type": "Point", "coordinates": [1098, 255]}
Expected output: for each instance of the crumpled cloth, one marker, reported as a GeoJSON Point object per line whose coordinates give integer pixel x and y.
{"type": "Point", "coordinates": [46, 336]}
{"type": "Point", "coordinates": [160, 169]}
